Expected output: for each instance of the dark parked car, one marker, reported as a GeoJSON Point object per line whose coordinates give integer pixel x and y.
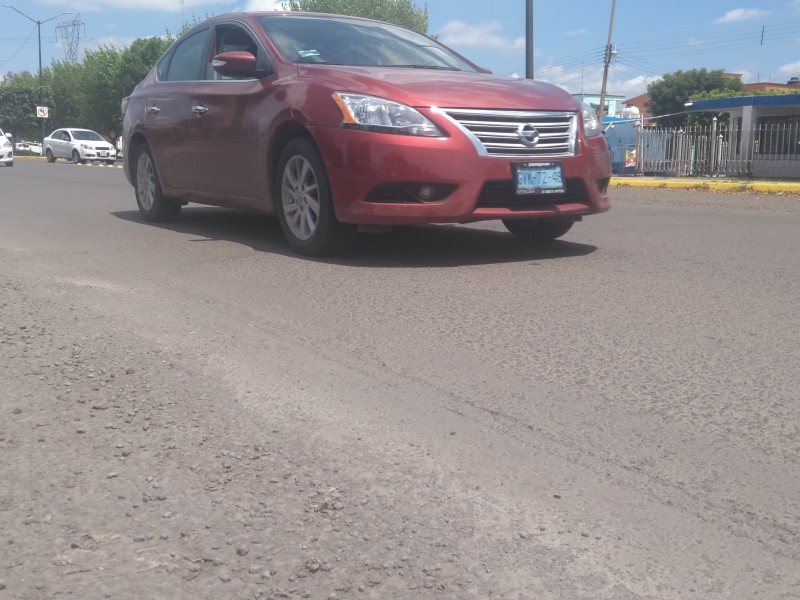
{"type": "Point", "coordinates": [333, 122]}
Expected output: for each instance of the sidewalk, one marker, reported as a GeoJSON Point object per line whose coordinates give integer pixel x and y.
{"type": "Point", "coordinates": [727, 184]}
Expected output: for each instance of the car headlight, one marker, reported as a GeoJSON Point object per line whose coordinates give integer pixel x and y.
{"type": "Point", "coordinates": [6, 144]}
{"type": "Point", "coordinates": [591, 124]}
{"type": "Point", "coordinates": [87, 147]}
{"type": "Point", "coordinates": [385, 116]}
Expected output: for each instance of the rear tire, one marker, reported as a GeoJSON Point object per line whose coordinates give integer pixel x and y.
{"type": "Point", "coordinates": [50, 157]}
{"type": "Point", "coordinates": [152, 202]}
{"type": "Point", "coordinates": [538, 230]}
{"type": "Point", "coordinates": [304, 203]}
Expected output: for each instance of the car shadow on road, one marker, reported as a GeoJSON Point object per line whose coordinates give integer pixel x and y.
{"type": "Point", "coordinates": [408, 246]}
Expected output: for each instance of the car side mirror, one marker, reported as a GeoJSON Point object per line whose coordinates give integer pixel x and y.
{"type": "Point", "coordinates": [8, 135]}
{"type": "Point", "coordinates": [234, 64]}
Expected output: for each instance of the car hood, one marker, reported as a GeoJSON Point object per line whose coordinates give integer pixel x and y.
{"type": "Point", "coordinates": [425, 88]}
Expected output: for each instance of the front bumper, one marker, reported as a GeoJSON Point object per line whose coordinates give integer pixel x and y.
{"type": "Point", "coordinates": [6, 155]}
{"type": "Point", "coordinates": [370, 173]}
{"type": "Point", "coordinates": [88, 155]}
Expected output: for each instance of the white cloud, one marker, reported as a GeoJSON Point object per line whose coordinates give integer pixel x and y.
{"type": "Point", "coordinates": [265, 4]}
{"type": "Point", "coordinates": [482, 35]}
{"type": "Point", "coordinates": [590, 81]}
{"type": "Point", "coordinates": [110, 40]}
{"type": "Point", "coordinates": [741, 14]}
{"type": "Point", "coordinates": [164, 5]}
{"type": "Point", "coordinates": [790, 68]}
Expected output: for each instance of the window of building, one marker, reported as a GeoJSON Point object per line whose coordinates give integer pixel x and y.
{"type": "Point", "coordinates": [778, 136]}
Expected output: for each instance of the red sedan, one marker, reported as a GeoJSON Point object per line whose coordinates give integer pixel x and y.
{"type": "Point", "coordinates": [333, 122]}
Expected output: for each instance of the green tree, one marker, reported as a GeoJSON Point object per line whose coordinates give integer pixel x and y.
{"type": "Point", "coordinates": [61, 82]}
{"type": "Point", "coordinates": [19, 97]}
{"type": "Point", "coordinates": [668, 94]}
{"type": "Point", "coordinates": [96, 96]}
{"type": "Point", "coordinates": [398, 12]}
{"type": "Point", "coordinates": [136, 61]}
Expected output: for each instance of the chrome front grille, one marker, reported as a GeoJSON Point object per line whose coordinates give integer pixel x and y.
{"type": "Point", "coordinates": [522, 134]}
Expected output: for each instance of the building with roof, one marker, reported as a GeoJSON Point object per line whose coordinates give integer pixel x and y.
{"type": "Point", "coordinates": [763, 132]}
{"type": "Point", "coordinates": [642, 101]}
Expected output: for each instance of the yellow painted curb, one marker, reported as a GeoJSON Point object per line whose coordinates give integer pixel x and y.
{"type": "Point", "coordinates": [68, 162]}
{"type": "Point", "coordinates": [728, 186]}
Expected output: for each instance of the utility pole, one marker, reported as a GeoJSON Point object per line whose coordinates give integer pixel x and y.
{"type": "Point", "coordinates": [607, 61]}
{"type": "Point", "coordinates": [41, 80]}
{"type": "Point", "coordinates": [529, 39]}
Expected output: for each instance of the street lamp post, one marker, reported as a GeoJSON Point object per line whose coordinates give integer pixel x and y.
{"type": "Point", "coordinates": [529, 49]}
{"type": "Point", "coordinates": [39, 32]}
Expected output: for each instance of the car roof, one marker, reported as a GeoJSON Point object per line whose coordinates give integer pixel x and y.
{"type": "Point", "coordinates": [278, 13]}
{"type": "Point", "coordinates": [286, 13]}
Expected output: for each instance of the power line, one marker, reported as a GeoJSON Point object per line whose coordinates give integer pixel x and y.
{"type": "Point", "coordinates": [21, 46]}
{"type": "Point", "coordinates": [747, 34]}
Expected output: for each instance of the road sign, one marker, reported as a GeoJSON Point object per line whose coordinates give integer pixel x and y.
{"type": "Point", "coordinates": [42, 112]}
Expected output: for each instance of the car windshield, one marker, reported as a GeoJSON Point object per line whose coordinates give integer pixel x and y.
{"type": "Point", "coordinates": [363, 43]}
{"type": "Point", "coordinates": [85, 134]}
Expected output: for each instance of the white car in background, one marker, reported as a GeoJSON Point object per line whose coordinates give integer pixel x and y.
{"type": "Point", "coordinates": [6, 149]}
{"type": "Point", "coordinates": [79, 146]}
{"type": "Point", "coordinates": [32, 147]}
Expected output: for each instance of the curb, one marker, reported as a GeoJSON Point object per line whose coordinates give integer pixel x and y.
{"type": "Point", "coordinates": [66, 162]}
{"type": "Point", "coordinates": [727, 186]}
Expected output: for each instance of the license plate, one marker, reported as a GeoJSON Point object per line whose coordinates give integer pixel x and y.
{"type": "Point", "coordinates": [539, 178]}
{"type": "Point", "coordinates": [101, 153]}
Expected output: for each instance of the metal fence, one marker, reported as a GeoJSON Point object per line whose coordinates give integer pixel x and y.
{"type": "Point", "coordinates": [771, 149]}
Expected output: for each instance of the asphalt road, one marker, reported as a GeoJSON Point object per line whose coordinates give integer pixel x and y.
{"type": "Point", "coordinates": [617, 414]}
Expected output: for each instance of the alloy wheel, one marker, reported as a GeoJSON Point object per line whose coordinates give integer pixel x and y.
{"type": "Point", "coordinates": [300, 197]}
{"type": "Point", "coordinates": [145, 181]}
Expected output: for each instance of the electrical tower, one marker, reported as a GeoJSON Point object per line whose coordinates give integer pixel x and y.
{"type": "Point", "coordinates": [69, 32]}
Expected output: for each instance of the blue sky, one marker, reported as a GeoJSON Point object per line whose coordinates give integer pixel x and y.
{"type": "Point", "coordinates": [758, 38]}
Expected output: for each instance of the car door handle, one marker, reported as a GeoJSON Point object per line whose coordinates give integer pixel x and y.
{"type": "Point", "coordinates": [199, 109]}
{"type": "Point", "coordinates": [152, 110]}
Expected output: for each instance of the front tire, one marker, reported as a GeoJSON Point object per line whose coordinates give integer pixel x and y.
{"type": "Point", "coordinates": [304, 203]}
{"type": "Point", "coordinates": [76, 158]}
{"type": "Point", "coordinates": [152, 202]}
{"type": "Point", "coordinates": [538, 230]}
{"type": "Point", "coordinates": [50, 157]}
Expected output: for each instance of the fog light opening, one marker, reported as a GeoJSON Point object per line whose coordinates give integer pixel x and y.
{"type": "Point", "coordinates": [427, 193]}
{"type": "Point", "coordinates": [410, 192]}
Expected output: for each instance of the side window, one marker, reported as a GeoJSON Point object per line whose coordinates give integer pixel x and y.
{"type": "Point", "coordinates": [188, 58]}
{"type": "Point", "coordinates": [162, 66]}
{"type": "Point", "coordinates": [230, 38]}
